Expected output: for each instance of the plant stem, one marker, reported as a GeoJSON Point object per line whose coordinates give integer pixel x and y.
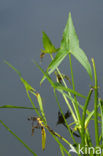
{"type": "Point", "coordinates": [64, 118]}
{"type": "Point", "coordinates": [95, 104]}
{"type": "Point", "coordinates": [76, 105]}
{"type": "Point", "coordinates": [84, 116]}
{"type": "Point", "coordinates": [101, 107]}
{"type": "Point", "coordinates": [65, 98]}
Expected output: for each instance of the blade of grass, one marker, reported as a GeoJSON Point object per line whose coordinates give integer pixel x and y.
{"type": "Point", "coordinates": [28, 87]}
{"type": "Point", "coordinates": [16, 107]}
{"type": "Point", "coordinates": [62, 151]}
{"type": "Point", "coordinates": [60, 144]}
{"type": "Point", "coordinates": [26, 146]}
{"type": "Point", "coordinates": [95, 104]}
{"type": "Point", "coordinates": [76, 105]}
{"type": "Point", "coordinates": [60, 87]}
{"type": "Point", "coordinates": [84, 116]}
{"type": "Point", "coordinates": [33, 104]}
{"type": "Point", "coordinates": [26, 84]}
{"type": "Point", "coordinates": [43, 138]}
{"type": "Point", "coordinates": [41, 106]}
{"type": "Point", "coordinates": [17, 71]}
{"type": "Point", "coordinates": [101, 108]}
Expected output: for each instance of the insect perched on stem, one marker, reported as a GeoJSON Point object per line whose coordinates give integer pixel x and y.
{"type": "Point", "coordinates": [38, 126]}
{"type": "Point", "coordinates": [59, 77]}
{"type": "Point", "coordinates": [62, 121]}
{"type": "Point", "coordinates": [42, 56]}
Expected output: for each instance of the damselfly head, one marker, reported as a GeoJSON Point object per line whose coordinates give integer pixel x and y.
{"type": "Point", "coordinates": [61, 119]}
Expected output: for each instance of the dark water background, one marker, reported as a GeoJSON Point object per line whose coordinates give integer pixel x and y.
{"type": "Point", "coordinates": [21, 26]}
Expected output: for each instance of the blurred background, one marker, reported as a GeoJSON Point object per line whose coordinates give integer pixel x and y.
{"type": "Point", "coordinates": [21, 26]}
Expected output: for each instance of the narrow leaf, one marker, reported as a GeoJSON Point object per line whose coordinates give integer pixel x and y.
{"type": "Point", "coordinates": [55, 63]}
{"type": "Point", "coordinates": [101, 108]}
{"type": "Point", "coordinates": [62, 151]}
{"type": "Point", "coordinates": [60, 87]}
{"type": "Point", "coordinates": [16, 107]}
{"type": "Point", "coordinates": [13, 68]}
{"type": "Point", "coordinates": [27, 147]}
{"type": "Point", "coordinates": [43, 138]}
{"type": "Point", "coordinates": [47, 44]}
{"type": "Point", "coordinates": [26, 84]}
{"type": "Point", "coordinates": [45, 73]}
{"type": "Point", "coordinates": [41, 105]}
{"type": "Point", "coordinates": [56, 85]}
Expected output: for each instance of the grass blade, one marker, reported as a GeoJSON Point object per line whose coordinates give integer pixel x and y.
{"type": "Point", "coordinates": [43, 138]}
{"type": "Point", "coordinates": [101, 108]}
{"type": "Point", "coordinates": [60, 87]}
{"type": "Point", "coordinates": [96, 104]}
{"type": "Point", "coordinates": [41, 106]}
{"type": "Point", "coordinates": [26, 146]}
{"type": "Point", "coordinates": [84, 116]}
{"type": "Point", "coordinates": [62, 151]}
{"type": "Point", "coordinates": [16, 107]}
{"type": "Point", "coordinates": [17, 71]}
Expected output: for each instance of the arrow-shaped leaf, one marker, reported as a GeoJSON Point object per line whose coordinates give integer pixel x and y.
{"type": "Point", "coordinates": [47, 44]}
{"type": "Point", "coordinates": [69, 44]}
{"type": "Point", "coordinates": [72, 44]}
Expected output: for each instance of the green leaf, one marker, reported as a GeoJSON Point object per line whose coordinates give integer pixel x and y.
{"type": "Point", "coordinates": [28, 87]}
{"type": "Point", "coordinates": [41, 106]}
{"type": "Point", "coordinates": [56, 85]}
{"type": "Point", "coordinates": [79, 54]}
{"type": "Point", "coordinates": [45, 74]}
{"type": "Point", "coordinates": [62, 151]}
{"type": "Point", "coordinates": [47, 44]}
{"type": "Point", "coordinates": [55, 63]}
{"type": "Point", "coordinates": [70, 41]}
{"type": "Point", "coordinates": [101, 108]}
{"type": "Point", "coordinates": [69, 44]}
{"type": "Point", "coordinates": [16, 107]}
{"type": "Point", "coordinates": [26, 84]}
{"type": "Point", "coordinates": [60, 88]}
{"type": "Point", "coordinates": [43, 138]}
{"type": "Point", "coordinates": [13, 68]}
{"type": "Point", "coordinates": [27, 147]}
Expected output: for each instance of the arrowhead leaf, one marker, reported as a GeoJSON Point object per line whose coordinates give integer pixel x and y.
{"type": "Point", "coordinates": [69, 44]}
{"type": "Point", "coordinates": [70, 41]}
{"type": "Point", "coordinates": [47, 44]}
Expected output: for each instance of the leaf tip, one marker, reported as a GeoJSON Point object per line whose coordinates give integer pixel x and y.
{"type": "Point", "coordinates": [69, 14]}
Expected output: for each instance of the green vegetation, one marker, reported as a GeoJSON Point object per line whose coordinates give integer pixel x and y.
{"type": "Point", "coordinates": [69, 46]}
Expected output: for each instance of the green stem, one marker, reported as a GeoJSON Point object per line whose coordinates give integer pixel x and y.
{"type": "Point", "coordinates": [65, 98]}
{"type": "Point", "coordinates": [64, 118]}
{"type": "Point", "coordinates": [32, 103]}
{"type": "Point", "coordinates": [76, 105]}
{"type": "Point", "coordinates": [101, 107]}
{"type": "Point", "coordinates": [84, 116]}
{"type": "Point", "coordinates": [96, 105]}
